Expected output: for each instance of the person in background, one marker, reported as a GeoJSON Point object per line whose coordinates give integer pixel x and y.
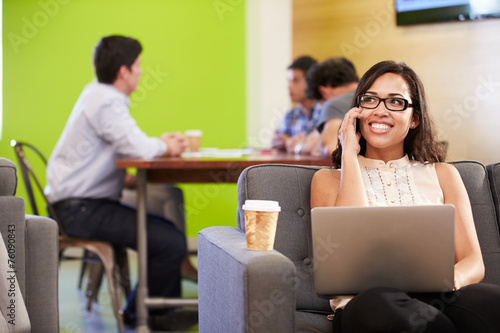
{"type": "Point", "coordinates": [387, 132]}
{"type": "Point", "coordinates": [333, 83]}
{"type": "Point", "coordinates": [84, 185]}
{"type": "Point", "coordinates": [298, 124]}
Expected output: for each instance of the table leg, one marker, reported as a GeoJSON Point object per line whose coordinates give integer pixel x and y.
{"type": "Point", "coordinates": [142, 248]}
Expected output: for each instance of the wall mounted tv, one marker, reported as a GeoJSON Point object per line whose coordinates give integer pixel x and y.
{"type": "Point", "coordinates": [428, 11]}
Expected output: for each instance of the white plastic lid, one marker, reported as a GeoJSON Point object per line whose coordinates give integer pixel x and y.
{"type": "Point", "coordinates": [193, 133]}
{"type": "Point", "coordinates": [262, 205]}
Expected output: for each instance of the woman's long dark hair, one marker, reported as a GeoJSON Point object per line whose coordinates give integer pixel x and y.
{"type": "Point", "coordinates": [420, 144]}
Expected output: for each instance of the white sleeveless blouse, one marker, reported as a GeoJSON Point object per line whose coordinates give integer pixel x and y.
{"type": "Point", "coordinates": [400, 182]}
{"type": "Point", "coordinates": [397, 183]}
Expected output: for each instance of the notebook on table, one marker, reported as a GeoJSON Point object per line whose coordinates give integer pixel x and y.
{"type": "Point", "coordinates": [411, 248]}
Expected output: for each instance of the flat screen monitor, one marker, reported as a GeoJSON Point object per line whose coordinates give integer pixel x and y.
{"type": "Point", "coordinates": [428, 11]}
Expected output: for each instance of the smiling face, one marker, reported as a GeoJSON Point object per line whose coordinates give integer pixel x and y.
{"type": "Point", "coordinates": [384, 130]}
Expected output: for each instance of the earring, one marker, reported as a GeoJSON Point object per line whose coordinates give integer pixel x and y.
{"type": "Point", "coordinates": [413, 125]}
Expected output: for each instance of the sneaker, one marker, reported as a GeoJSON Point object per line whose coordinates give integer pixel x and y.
{"type": "Point", "coordinates": [178, 320]}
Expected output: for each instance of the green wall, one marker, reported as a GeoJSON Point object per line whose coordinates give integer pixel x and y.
{"type": "Point", "coordinates": [194, 76]}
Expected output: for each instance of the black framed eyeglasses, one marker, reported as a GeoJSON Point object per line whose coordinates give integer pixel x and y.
{"type": "Point", "coordinates": [391, 103]}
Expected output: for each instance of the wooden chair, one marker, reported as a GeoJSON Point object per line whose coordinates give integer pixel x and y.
{"type": "Point", "coordinates": [113, 259]}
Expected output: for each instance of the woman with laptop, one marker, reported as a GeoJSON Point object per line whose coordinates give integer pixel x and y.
{"type": "Point", "coordinates": [388, 155]}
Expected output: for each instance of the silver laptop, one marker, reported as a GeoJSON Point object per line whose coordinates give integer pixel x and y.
{"type": "Point", "coordinates": [410, 248]}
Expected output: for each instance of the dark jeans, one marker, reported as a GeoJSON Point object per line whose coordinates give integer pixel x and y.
{"type": "Point", "coordinates": [472, 309]}
{"type": "Point", "coordinates": [109, 221]}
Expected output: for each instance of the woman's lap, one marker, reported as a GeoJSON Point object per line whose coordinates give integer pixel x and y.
{"type": "Point", "coordinates": [474, 308]}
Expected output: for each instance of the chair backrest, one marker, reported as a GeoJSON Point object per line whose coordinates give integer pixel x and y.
{"type": "Point", "coordinates": [26, 170]}
{"type": "Point", "coordinates": [290, 186]}
{"type": "Point", "coordinates": [31, 181]}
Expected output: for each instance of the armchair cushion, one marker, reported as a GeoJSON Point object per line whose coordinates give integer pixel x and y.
{"type": "Point", "coordinates": [475, 178]}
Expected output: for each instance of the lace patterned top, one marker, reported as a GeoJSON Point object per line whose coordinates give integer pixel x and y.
{"type": "Point", "coordinates": [400, 182]}
{"type": "Point", "coordinates": [397, 183]}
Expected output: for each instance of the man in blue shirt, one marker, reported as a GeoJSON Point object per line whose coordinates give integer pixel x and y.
{"type": "Point", "coordinates": [84, 185]}
{"type": "Point", "coordinates": [299, 122]}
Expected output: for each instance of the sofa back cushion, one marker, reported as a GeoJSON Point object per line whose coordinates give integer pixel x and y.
{"type": "Point", "coordinates": [476, 182]}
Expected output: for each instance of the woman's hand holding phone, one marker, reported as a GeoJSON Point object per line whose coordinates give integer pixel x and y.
{"type": "Point", "coordinates": [349, 138]}
{"type": "Point", "coordinates": [351, 190]}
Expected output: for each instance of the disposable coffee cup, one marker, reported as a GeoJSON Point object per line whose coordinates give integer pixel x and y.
{"type": "Point", "coordinates": [261, 219]}
{"type": "Point", "coordinates": [193, 137]}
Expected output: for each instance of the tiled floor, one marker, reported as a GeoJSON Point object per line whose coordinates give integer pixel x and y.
{"type": "Point", "coordinates": [73, 315]}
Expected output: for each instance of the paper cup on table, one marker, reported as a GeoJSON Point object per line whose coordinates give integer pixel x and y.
{"type": "Point", "coordinates": [193, 137]}
{"type": "Point", "coordinates": [261, 219]}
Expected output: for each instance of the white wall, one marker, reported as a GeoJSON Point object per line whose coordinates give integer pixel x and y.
{"type": "Point", "coordinates": [269, 53]}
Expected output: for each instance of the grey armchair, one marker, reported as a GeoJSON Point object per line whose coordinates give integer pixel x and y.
{"type": "Point", "coordinates": [249, 291]}
{"type": "Point", "coordinates": [36, 253]}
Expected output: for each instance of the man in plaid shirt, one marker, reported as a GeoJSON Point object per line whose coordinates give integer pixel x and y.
{"type": "Point", "coordinates": [299, 122]}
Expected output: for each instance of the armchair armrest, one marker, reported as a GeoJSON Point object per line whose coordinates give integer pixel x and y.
{"type": "Point", "coordinates": [241, 290]}
{"type": "Point", "coordinates": [42, 260]}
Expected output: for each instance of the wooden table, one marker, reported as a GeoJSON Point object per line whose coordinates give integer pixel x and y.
{"type": "Point", "coordinates": [189, 170]}
{"type": "Point", "coordinates": [212, 169]}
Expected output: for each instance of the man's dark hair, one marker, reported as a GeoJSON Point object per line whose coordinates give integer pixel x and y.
{"type": "Point", "coordinates": [333, 72]}
{"type": "Point", "coordinates": [303, 63]}
{"type": "Point", "coordinates": [111, 53]}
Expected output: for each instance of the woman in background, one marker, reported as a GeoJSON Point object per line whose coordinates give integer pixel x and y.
{"type": "Point", "coordinates": [388, 155]}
